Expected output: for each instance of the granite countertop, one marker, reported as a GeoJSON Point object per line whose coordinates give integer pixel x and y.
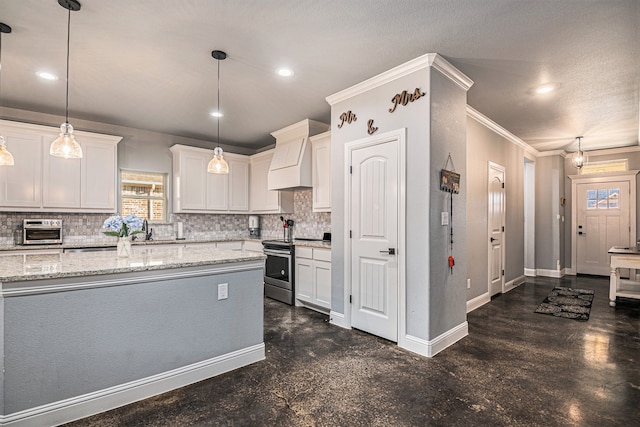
{"type": "Point", "coordinates": [15, 268]}
{"type": "Point", "coordinates": [112, 243]}
{"type": "Point", "coordinates": [312, 243]}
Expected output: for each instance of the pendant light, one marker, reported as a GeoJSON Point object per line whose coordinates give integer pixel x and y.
{"type": "Point", "coordinates": [66, 145]}
{"type": "Point", "coordinates": [218, 164]}
{"type": "Point", "coordinates": [6, 158]}
{"type": "Point", "coordinates": [579, 158]}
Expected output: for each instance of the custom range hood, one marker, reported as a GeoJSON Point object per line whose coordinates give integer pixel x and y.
{"type": "Point", "coordinates": [291, 163]}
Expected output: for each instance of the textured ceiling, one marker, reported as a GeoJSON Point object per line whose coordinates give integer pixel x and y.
{"type": "Point", "coordinates": [147, 64]}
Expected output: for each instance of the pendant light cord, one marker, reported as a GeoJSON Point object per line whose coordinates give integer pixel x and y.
{"type": "Point", "coordinates": [66, 108]}
{"type": "Point", "coordinates": [218, 107]}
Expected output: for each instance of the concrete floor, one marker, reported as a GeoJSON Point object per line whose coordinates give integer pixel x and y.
{"type": "Point", "coordinates": [516, 368]}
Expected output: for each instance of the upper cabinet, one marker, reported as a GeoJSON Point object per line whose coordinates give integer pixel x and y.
{"type": "Point", "coordinates": [264, 200]}
{"type": "Point", "coordinates": [39, 181]}
{"type": "Point", "coordinates": [321, 171]}
{"type": "Point", "coordinates": [197, 191]}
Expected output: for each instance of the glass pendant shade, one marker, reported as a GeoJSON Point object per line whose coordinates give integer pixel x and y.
{"type": "Point", "coordinates": [6, 158]}
{"type": "Point", "coordinates": [66, 145]}
{"type": "Point", "coordinates": [218, 164]}
{"type": "Point", "coordinates": [579, 158]}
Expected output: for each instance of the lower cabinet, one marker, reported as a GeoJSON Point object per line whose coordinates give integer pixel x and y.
{"type": "Point", "coordinates": [313, 278]}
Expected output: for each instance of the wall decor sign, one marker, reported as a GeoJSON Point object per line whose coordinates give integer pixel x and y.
{"type": "Point", "coordinates": [371, 129]}
{"type": "Point", "coordinates": [449, 179]}
{"type": "Point", "coordinates": [405, 97]}
{"type": "Point", "coordinates": [347, 117]}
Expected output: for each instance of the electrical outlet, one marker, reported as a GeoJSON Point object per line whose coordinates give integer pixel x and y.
{"type": "Point", "coordinates": [223, 291]}
{"type": "Point", "coordinates": [468, 283]}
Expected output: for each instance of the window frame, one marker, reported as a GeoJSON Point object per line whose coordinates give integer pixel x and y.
{"type": "Point", "coordinates": [164, 198]}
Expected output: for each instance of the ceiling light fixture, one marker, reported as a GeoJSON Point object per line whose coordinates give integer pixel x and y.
{"type": "Point", "coordinates": [66, 145]}
{"type": "Point", "coordinates": [6, 158]}
{"type": "Point", "coordinates": [218, 164]}
{"type": "Point", "coordinates": [284, 72]}
{"type": "Point", "coordinates": [545, 89]}
{"type": "Point", "coordinates": [45, 75]}
{"type": "Point", "coordinates": [579, 158]}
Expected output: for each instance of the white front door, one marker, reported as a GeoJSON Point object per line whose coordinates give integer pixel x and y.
{"type": "Point", "coordinates": [496, 219]}
{"type": "Point", "coordinates": [603, 222]}
{"type": "Point", "coordinates": [374, 212]}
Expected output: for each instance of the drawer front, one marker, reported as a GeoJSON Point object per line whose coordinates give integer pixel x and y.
{"type": "Point", "coordinates": [322, 254]}
{"type": "Point", "coordinates": [302, 252]}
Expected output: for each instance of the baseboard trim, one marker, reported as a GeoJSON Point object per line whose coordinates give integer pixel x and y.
{"type": "Point", "coordinates": [435, 346]}
{"type": "Point", "coordinates": [550, 273]}
{"type": "Point", "coordinates": [478, 301]}
{"type": "Point", "coordinates": [512, 284]}
{"type": "Point", "coordinates": [338, 319]}
{"type": "Point", "coordinates": [530, 272]}
{"type": "Point", "coordinates": [83, 406]}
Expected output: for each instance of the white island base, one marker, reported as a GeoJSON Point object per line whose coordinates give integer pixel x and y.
{"type": "Point", "coordinates": [75, 345]}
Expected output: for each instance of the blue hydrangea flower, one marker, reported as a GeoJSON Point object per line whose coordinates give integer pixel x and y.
{"type": "Point", "coordinates": [122, 227]}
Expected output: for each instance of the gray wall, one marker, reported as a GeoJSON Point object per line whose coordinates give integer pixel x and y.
{"type": "Point", "coordinates": [434, 300]}
{"type": "Point", "coordinates": [447, 288]}
{"type": "Point", "coordinates": [66, 344]}
{"type": "Point", "coordinates": [484, 146]}
{"type": "Point", "coordinates": [550, 230]}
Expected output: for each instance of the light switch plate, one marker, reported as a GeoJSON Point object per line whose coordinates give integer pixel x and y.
{"type": "Point", "coordinates": [444, 218]}
{"type": "Point", "coordinates": [223, 291]}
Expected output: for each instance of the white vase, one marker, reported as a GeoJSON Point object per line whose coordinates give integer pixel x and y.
{"type": "Point", "coordinates": [124, 247]}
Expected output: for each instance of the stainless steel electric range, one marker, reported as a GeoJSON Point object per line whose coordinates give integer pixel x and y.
{"type": "Point", "coordinates": [279, 271]}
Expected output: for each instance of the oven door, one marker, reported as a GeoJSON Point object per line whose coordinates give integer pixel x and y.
{"type": "Point", "coordinates": [277, 268]}
{"type": "Point", "coordinates": [278, 275]}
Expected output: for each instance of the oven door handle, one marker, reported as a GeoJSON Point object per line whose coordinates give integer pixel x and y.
{"type": "Point", "coordinates": [276, 252]}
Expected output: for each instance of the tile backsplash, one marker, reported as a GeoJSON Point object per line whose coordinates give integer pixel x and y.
{"type": "Point", "coordinates": [81, 228]}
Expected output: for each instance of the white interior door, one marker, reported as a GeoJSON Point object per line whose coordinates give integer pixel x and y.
{"type": "Point", "coordinates": [496, 220]}
{"type": "Point", "coordinates": [374, 225]}
{"type": "Point", "coordinates": [603, 222]}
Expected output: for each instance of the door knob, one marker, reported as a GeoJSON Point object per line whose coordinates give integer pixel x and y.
{"type": "Point", "coordinates": [581, 233]}
{"type": "Point", "coordinates": [492, 240]}
{"type": "Point", "coordinates": [390, 251]}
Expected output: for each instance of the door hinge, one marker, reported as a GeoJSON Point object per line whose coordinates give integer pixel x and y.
{"type": "Point", "coordinates": [503, 272]}
{"type": "Point", "coordinates": [350, 299]}
{"type": "Point", "coordinates": [503, 228]}
{"type": "Point", "coordinates": [503, 185]}
{"type": "Point", "coordinates": [350, 169]}
{"type": "Point", "coordinates": [350, 234]}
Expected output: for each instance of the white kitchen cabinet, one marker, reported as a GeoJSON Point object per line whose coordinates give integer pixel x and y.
{"type": "Point", "coordinates": [321, 171]}
{"type": "Point", "coordinates": [99, 174]}
{"type": "Point", "coordinates": [238, 183]}
{"type": "Point", "coordinates": [264, 200]}
{"type": "Point", "coordinates": [313, 278]}
{"type": "Point", "coordinates": [41, 181]}
{"type": "Point", "coordinates": [198, 191]}
{"type": "Point", "coordinates": [21, 184]}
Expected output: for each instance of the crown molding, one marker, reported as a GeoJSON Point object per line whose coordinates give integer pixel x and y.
{"type": "Point", "coordinates": [486, 121]}
{"type": "Point", "coordinates": [549, 153]}
{"type": "Point", "coordinates": [619, 150]}
{"type": "Point", "coordinates": [422, 62]}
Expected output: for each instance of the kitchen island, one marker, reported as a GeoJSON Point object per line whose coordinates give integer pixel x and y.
{"type": "Point", "coordinates": [87, 332]}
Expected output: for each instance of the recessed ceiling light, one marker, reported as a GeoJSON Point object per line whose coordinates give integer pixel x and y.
{"type": "Point", "coordinates": [46, 75]}
{"type": "Point", "coordinates": [284, 72]}
{"type": "Point", "coordinates": [545, 89]}
{"type": "Point", "coordinates": [216, 114]}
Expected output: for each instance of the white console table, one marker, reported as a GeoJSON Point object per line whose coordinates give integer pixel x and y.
{"type": "Point", "coordinates": [623, 258]}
